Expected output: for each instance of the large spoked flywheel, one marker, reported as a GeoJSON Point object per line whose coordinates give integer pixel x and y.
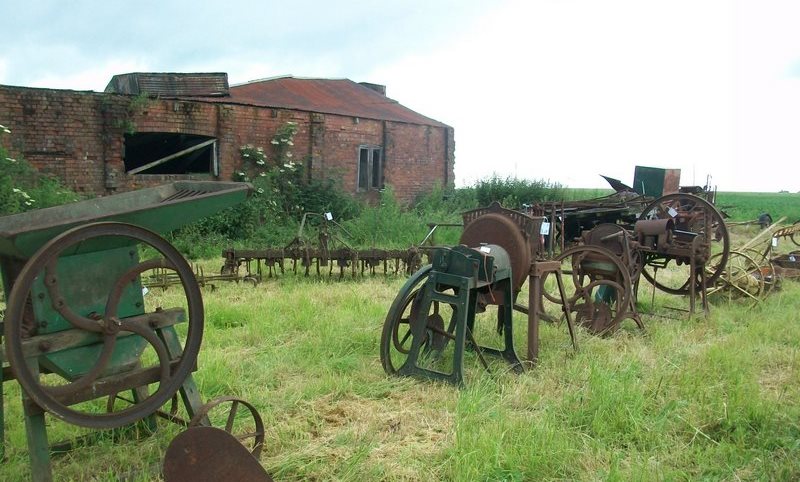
{"type": "Point", "coordinates": [693, 216]}
{"type": "Point", "coordinates": [122, 344]}
{"type": "Point", "coordinates": [598, 288]}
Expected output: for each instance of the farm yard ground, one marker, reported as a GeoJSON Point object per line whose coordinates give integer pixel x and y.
{"type": "Point", "coordinates": [693, 398]}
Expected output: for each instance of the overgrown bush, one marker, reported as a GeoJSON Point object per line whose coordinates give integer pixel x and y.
{"type": "Point", "coordinates": [281, 196]}
{"type": "Point", "coordinates": [386, 224]}
{"type": "Point", "coordinates": [23, 188]}
{"type": "Point", "coordinates": [513, 192]}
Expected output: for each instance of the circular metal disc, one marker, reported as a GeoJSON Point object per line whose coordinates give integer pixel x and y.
{"type": "Point", "coordinates": [497, 229]}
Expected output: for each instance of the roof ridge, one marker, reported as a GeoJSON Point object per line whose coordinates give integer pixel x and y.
{"type": "Point", "coordinates": [289, 76]}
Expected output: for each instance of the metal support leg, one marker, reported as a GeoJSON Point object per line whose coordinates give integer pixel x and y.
{"type": "Point", "coordinates": [418, 321]}
{"type": "Point", "coordinates": [190, 395]}
{"type": "Point", "coordinates": [692, 284]}
{"type": "Point", "coordinates": [538, 270]}
{"type": "Point", "coordinates": [534, 308]}
{"type": "Point", "coordinates": [36, 431]}
{"type": "Point", "coordinates": [703, 291]}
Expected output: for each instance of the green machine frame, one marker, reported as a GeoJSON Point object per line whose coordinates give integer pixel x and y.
{"type": "Point", "coordinates": [76, 324]}
{"type": "Point", "coordinates": [458, 276]}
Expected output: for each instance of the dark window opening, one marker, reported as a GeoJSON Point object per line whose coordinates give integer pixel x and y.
{"type": "Point", "coordinates": [170, 153]}
{"type": "Point", "coordinates": [370, 168]}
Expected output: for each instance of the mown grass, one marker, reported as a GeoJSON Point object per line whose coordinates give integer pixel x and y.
{"type": "Point", "coordinates": [692, 399]}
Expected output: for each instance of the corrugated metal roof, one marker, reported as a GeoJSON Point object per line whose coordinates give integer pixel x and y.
{"type": "Point", "coordinates": [166, 84]}
{"type": "Point", "coordinates": [327, 96]}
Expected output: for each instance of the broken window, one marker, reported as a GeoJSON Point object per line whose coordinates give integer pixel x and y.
{"type": "Point", "coordinates": [370, 168]}
{"type": "Point", "coordinates": [170, 153]}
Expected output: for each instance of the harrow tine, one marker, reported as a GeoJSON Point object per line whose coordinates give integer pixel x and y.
{"type": "Point", "coordinates": [357, 263]}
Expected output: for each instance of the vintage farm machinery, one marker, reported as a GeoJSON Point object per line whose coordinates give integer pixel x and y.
{"type": "Point", "coordinates": [602, 273]}
{"type": "Point", "coordinates": [679, 236]}
{"type": "Point", "coordinates": [435, 310]}
{"type": "Point", "coordinates": [689, 233]}
{"type": "Point", "coordinates": [753, 269]}
{"type": "Point", "coordinates": [680, 231]}
{"type": "Point", "coordinates": [329, 254]}
{"type": "Point", "coordinates": [80, 337]}
{"type": "Point", "coordinates": [500, 248]}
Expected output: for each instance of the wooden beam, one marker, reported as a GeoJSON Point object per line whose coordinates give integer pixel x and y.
{"type": "Point", "coordinates": [170, 157]}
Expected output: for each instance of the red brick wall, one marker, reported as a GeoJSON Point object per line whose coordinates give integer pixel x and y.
{"type": "Point", "coordinates": [79, 137]}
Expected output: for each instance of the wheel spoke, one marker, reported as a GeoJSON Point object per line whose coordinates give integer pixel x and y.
{"type": "Point", "coordinates": [46, 261]}
{"type": "Point", "coordinates": [231, 416]}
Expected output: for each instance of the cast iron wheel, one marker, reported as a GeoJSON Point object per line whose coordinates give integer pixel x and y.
{"type": "Point", "coordinates": [247, 427]}
{"type": "Point", "coordinates": [582, 282]}
{"type": "Point", "coordinates": [598, 315]}
{"type": "Point", "coordinates": [43, 264]}
{"type": "Point", "coordinates": [396, 337]}
{"type": "Point", "coordinates": [690, 214]}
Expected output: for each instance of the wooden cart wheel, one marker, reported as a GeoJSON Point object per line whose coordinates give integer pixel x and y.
{"type": "Point", "coordinates": [247, 426]}
{"type": "Point", "coordinates": [56, 394]}
{"type": "Point", "coordinates": [766, 269]}
{"type": "Point", "coordinates": [741, 278]}
{"type": "Point", "coordinates": [691, 214]}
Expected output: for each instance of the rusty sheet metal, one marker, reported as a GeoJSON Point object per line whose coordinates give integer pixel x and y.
{"type": "Point", "coordinates": [167, 84]}
{"type": "Point", "coordinates": [497, 229]}
{"type": "Point", "coordinates": [210, 454]}
{"type": "Point", "coordinates": [327, 96]}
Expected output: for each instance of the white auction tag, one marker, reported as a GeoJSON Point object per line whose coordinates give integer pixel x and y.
{"type": "Point", "coordinates": [545, 229]}
{"type": "Point", "coordinates": [672, 212]}
{"type": "Point", "coordinates": [486, 249]}
{"type": "Point", "coordinates": [774, 242]}
{"type": "Point", "coordinates": [329, 216]}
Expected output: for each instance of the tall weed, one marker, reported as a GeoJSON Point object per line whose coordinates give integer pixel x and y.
{"type": "Point", "coordinates": [23, 188]}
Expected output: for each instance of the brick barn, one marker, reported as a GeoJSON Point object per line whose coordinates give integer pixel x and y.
{"type": "Point", "coordinates": [151, 128]}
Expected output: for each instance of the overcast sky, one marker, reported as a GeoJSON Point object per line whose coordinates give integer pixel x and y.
{"type": "Point", "coordinates": [563, 90]}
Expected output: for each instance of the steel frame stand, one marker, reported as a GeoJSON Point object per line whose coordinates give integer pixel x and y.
{"type": "Point", "coordinates": [694, 268]}
{"type": "Point", "coordinates": [464, 303]}
{"type": "Point", "coordinates": [539, 269]}
{"type": "Point", "coordinates": [39, 448]}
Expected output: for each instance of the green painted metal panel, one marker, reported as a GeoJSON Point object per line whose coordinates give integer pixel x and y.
{"type": "Point", "coordinates": [84, 281]}
{"type": "Point", "coordinates": [160, 209]}
{"type": "Point", "coordinates": [655, 181]}
{"type": "Point", "coordinates": [649, 181]}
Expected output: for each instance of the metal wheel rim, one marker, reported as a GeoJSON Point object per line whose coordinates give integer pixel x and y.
{"type": "Point", "coordinates": [727, 283]}
{"type": "Point", "coordinates": [404, 299]}
{"type": "Point", "coordinates": [16, 305]}
{"type": "Point", "coordinates": [716, 216]}
{"type": "Point", "coordinates": [574, 297]}
{"type": "Point", "coordinates": [200, 417]}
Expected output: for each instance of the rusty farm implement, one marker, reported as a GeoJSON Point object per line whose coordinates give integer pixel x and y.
{"type": "Point", "coordinates": [432, 321]}
{"type": "Point", "coordinates": [328, 254]}
{"type": "Point", "coordinates": [82, 340]}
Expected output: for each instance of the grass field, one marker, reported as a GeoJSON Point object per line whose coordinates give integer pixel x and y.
{"type": "Point", "coordinates": [740, 206]}
{"type": "Point", "coordinates": [693, 398]}
{"type": "Point", "coordinates": [714, 398]}
{"type": "Point", "coordinates": [743, 206]}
